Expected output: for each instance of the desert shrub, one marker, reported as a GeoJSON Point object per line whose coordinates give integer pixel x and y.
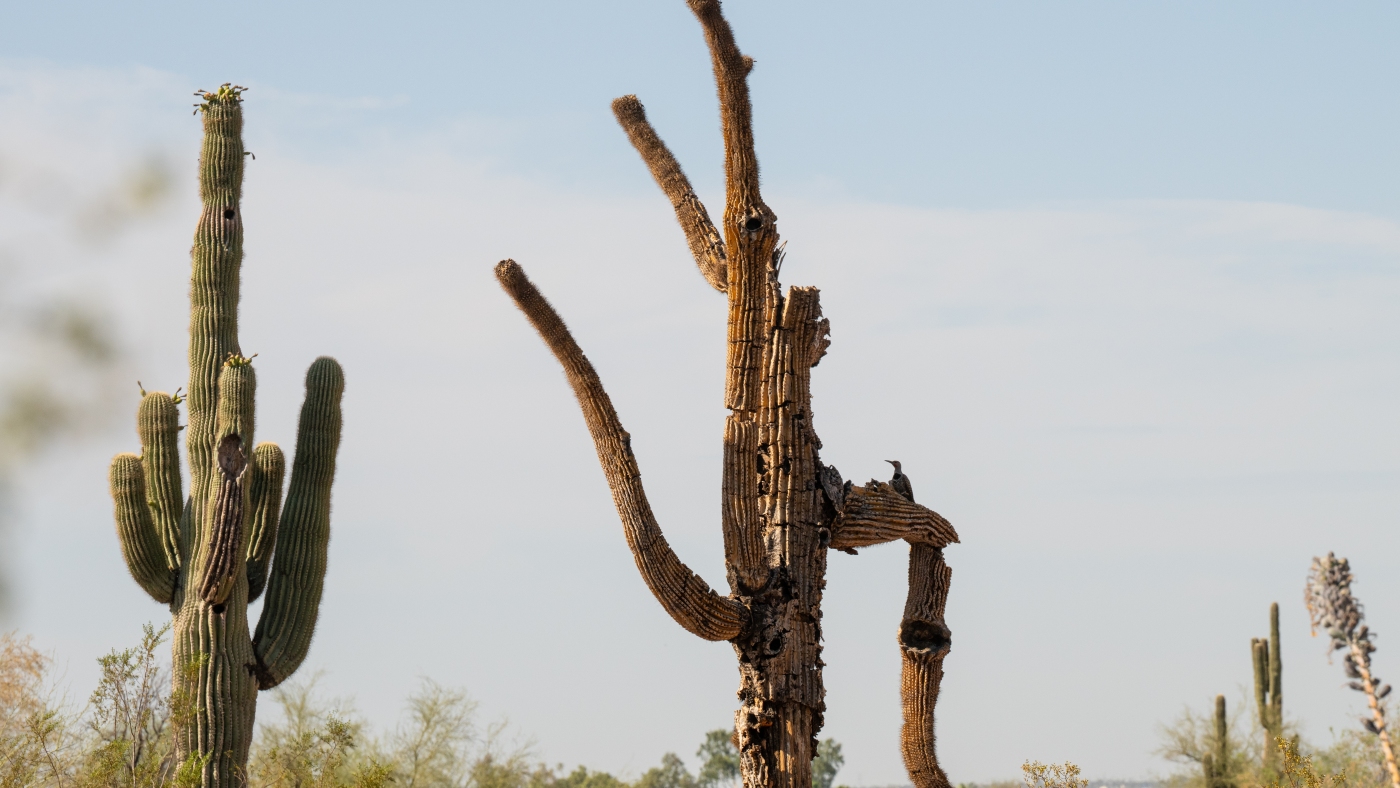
{"type": "Point", "coordinates": [1356, 754]}
{"type": "Point", "coordinates": [1299, 771]}
{"type": "Point", "coordinates": [123, 737]}
{"type": "Point", "coordinates": [1051, 775]}
{"type": "Point", "coordinates": [1188, 740]}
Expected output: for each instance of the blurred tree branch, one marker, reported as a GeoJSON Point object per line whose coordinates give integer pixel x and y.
{"type": "Point", "coordinates": [59, 352]}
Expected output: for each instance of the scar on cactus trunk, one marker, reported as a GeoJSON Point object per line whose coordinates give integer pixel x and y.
{"type": "Point", "coordinates": [781, 509]}
{"type": "Point", "coordinates": [210, 554]}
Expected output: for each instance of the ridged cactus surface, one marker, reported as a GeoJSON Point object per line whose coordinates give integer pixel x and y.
{"type": "Point", "coordinates": [211, 553]}
{"type": "Point", "coordinates": [1268, 689]}
{"type": "Point", "coordinates": [1215, 765]}
{"type": "Point", "coordinates": [782, 510]}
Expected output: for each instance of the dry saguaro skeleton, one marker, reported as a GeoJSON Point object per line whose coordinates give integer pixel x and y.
{"type": "Point", "coordinates": [782, 509]}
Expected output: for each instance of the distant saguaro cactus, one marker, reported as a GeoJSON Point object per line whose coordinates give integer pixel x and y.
{"type": "Point", "coordinates": [781, 508]}
{"type": "Point", "coordinates": [1268, 688]}
{"type": "Point", "coordinates": [1337, 612]}
{"type": "Point", "coordinates": [210, 554]}
{"type": "Point", "coordinates": [1216, 764]}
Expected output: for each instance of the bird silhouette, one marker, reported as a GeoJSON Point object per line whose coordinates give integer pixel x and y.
{"type": "Point", "coordinates": [900, 482]}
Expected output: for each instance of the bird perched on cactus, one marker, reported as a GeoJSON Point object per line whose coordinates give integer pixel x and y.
{"type": "Point", "coordinates": [783, 508]}
{"type": "Point", "coordinates": [899, 482]}
{"type": "Point", "coordinates": [209, 554]}
{"type": "Point", "coordinates": [1337, 612]}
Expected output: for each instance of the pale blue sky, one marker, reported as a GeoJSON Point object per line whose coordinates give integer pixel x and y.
{"type": "Point", "coordinates": [930, 103]}
{"type": "Point", "coordinates": [1116, 281]}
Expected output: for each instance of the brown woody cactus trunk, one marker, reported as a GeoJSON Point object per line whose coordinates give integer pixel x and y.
{"type": "Point", "coordinates": [781, 508]}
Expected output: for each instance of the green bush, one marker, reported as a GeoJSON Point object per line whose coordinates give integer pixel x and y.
{"type": "Point", "coordinates": [122, 738]}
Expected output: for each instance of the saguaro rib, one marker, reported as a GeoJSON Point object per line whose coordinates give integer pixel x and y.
{"type": "Point", "coordinates": [750, 228]}
{"type": "Point", "coordinates": [924, 641]}
{"type": "Point", "coordinates": [744, 551]}
{"type": "Point", "coordinates": [736, 113]}
{"type": "Point", "coordinates": [140, 542]}
{"type": "Point", "coordinates": [706, 243]}
{"type": "Point", "coordinates": [265, 500]}
{"type": "Point", "coordinates": [214, 283]}
{"type": "Point", "coordinates": [781, 507]}
{"type": "Point", "coordinates": [158, 425]}
{"type": "Point", "coordinates": [288, 620]}
{"type": "Point", "coordinates": [875, 514]}
{"type": "Point", "coordinates": [685, 596]}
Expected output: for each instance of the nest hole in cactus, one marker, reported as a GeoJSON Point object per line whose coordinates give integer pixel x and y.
{"type": "Point", "coordinates": [228, 213]}
{"type": "Point", "coordinates": [231, 459]}
{"type": "Point", "coordinates": [924, 635]}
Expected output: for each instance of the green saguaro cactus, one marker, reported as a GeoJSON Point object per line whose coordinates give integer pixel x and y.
{"type": "Point", "coordinates": [210, 554]}
{"type": "Point", "coordinates": [1268, 688]}
{"type": "Point", "coordinates": [1216, 764]}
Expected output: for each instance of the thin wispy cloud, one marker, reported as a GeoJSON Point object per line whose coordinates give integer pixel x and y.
{"type": "Point", "coordinates": [1143, 417]}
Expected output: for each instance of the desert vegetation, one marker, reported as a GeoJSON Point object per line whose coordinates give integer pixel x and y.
{"type": "Point", "coordinates": [1262, 747]}
{"type": "Point", "coordinates": [210, 551]}
{"type": "Point", "coordinates": [125, 736]}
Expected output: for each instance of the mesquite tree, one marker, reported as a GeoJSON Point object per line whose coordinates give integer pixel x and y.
{"type": "Point", "coordinates": [209, 555]}
{"type": "Point", "coordinates": [781, 508]}
{"type": "Point", "coordinates": [1336, 611]}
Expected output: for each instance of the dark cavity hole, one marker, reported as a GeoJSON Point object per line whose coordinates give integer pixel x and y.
{"type": "Point", "coordinates": [228, 213]}
{"type": "Point", "coordinates": [775, 645]}
{"type": "Point", "coordinates": [231, 459]}
{"type": "Point", "coordinates": [925, 635]}
{"type": "Point", "coordinates": [218, 610]}
{"type": "Point", "coordinates": [753, 224]}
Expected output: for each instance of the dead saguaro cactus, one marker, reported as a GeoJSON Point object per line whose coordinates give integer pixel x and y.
{"type": "Point", "coordinates": [781, 508]}
{"type": "Point", "coordinates": [207, 556]}
{"type": "Point", "coordinates": [1337, 612]}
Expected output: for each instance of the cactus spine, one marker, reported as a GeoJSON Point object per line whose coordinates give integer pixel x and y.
{"type": "Point", "coordinates": [782, 510]}
{"type": "Point", "coordinates": [1216, 764]}
{"type": "Point", "coordinates": [207, 556]}
{"type": "Point", "coordinates": [1268, 688]}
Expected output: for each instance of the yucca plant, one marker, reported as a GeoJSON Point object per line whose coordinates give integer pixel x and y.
{"type": "Point", "coordinates": [1337, 612]}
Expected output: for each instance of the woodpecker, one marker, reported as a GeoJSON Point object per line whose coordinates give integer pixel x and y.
{"type": "Point", "coordinates": [900, 482]}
